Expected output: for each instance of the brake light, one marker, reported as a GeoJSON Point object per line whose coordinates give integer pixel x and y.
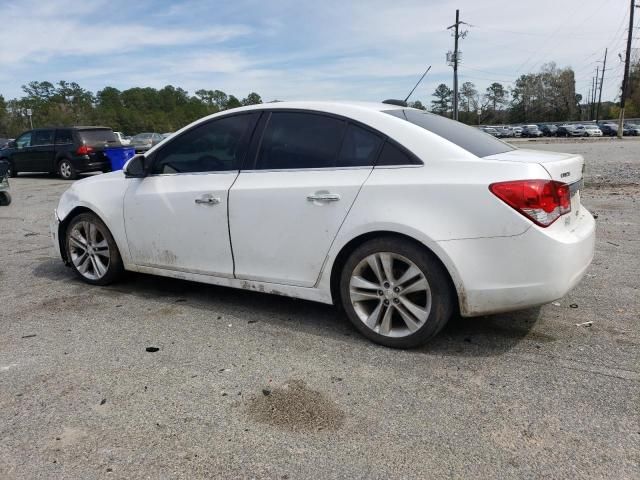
{"type": "Point", "coordinates": [542, 201]}
{"type": "Point", "coordinates": [84, 150]}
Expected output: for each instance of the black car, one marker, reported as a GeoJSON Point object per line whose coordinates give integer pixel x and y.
{"type": "Point", "coordinates": [66, 151]}
{"type": "Point", "coordinates": [608, 129]}
{"type": "Point", "coordinates": [565, 131]}
{"type": "Point", "coordinates": [531, 131]}
{"type": "Point", "coordinates": [548, 130]}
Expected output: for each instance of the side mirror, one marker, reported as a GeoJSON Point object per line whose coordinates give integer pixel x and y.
{"type": "Point", "coordinates": [135, 168]}
{"type": "Point", "coordinates": [12, 144]}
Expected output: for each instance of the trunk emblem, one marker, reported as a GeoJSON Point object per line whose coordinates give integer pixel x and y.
{"type": "Point", "coordinates": [565, 174]}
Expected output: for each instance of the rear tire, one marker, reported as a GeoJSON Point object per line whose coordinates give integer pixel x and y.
{"type": "Point", "coordinates": [66, 170]}
{"type": "Point", "coordinates": [92, 251]}
{"type": "Point", "coordinates": [395, 292]}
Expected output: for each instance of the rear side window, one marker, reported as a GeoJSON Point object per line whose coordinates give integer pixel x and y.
{"type": "Point", "coordinates": [218, 145]}
{"type": "Point", "coordinates": [63, 137]}
{"type": "Point", "coordinates": [42, 137]}
{"type": "Point", "coordinates": [97, 136]}
{"type": "Point", "coordinates": [393, 155]}
{"type": "Point", "coordinates": [300, 140]}
{"type": "Point", "coordinates": [359, 147]}
{"type": "Point", "coordinates": [471, 139]}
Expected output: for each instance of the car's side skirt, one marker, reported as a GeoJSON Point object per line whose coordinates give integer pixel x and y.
{"type": "Point", "coordinates": [304, 293]}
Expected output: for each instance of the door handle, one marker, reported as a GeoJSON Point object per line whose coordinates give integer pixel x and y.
{"type": "Point", "coordinates": [208, 200]}
{"type": "Point", "coordinates": [323, 197]}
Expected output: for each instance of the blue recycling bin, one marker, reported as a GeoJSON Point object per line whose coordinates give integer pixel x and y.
{"type": "Point", "coordinates": [118, 156]}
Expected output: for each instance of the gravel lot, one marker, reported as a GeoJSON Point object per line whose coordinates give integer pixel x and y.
{"type": "Point", "coordinates": [246, 385]}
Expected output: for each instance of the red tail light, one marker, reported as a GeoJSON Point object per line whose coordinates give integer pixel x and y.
{"type": "Point", "coordinates": [84, 150]}
{"type": "Point", "coordinates": [542, 201]}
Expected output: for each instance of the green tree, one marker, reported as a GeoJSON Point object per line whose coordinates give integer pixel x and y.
{"type": "Point", "coordinates": [252, 99]}
{"type": "Point", "coordinates": [443, 99]}
{"type": "Point", "coordinates": [417, 104]}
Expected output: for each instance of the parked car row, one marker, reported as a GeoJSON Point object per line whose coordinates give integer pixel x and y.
{"type": "Point", "coordinates": [600, 129]}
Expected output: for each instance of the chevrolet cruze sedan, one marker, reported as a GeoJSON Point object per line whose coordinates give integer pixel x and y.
{"type": "Point", "coordinates": [401, 217]}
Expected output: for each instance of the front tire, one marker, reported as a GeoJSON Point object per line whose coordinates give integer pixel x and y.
{"type": "Point", "coordinates": [92, 251]}
{"type": "Point", "coordinates": [395, 292]}
{"type": "Point", "coordinates": [5, 199]}
{"type": "Point", "coordinates": [66, 170]}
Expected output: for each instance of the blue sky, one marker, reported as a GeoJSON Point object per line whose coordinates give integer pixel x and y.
{"type": "Point", "coordinates": [287, 50]}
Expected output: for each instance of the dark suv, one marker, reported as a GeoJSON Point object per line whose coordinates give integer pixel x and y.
{"type": "Point", "coordinates": [65, 151]}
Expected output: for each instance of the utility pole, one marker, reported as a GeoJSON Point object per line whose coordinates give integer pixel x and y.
{"type": "Point", "coordinates": [454, 58]}
{"type": "Point", "coordinates": [593, 90]}
{"type": "Point", "coordinates": [627, 60]}
{"type": "Point", "coordinates": [593, 104]}
{"type": "Point", "coordinates": [604, 66]}
{"type": "Point", "coordinates": [588, 102]}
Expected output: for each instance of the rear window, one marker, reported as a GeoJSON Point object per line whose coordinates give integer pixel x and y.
{"type": "Point", "coordinates": [97, 136]}
{"type": "Point", "coordinates": [471, 139]}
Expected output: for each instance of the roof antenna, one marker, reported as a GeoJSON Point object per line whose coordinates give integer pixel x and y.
{"type": "Point", "coordinates": [423, 75]}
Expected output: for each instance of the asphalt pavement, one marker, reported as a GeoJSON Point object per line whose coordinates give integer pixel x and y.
{"type": "Point", "coordinates": [247, 385]}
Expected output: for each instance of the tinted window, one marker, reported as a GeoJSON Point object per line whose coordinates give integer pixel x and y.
{"type": "Point", "coordinates": [393, 155]}
{"type": "Point", "coordinates": [300, 140]}
{"type": "Point", "coordinates": [98, 136]}
{"type": "Point", "coordinates": [42, 137]}
{"type": "Point", "coordinates": [469, 138]}
{"type": "Point", "coordinates": [24, 140]}
{"type": "Point", "coordinates": [359, 147]}
{"type": "Point", "coordinates": [214, 146]}
{"type": "Point", "coordinates": [64, 136]}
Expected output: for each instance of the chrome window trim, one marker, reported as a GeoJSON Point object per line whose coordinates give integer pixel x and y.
{"type": "Point", "coordinates": [216, 172]}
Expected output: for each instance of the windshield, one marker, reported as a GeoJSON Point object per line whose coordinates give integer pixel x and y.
{"type": "Point", "coordinates": [471, 139]}
{"type": "Point", "coordinates": [143, 136]}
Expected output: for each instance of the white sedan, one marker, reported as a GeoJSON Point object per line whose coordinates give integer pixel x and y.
{"type": "Point", "coordinates": [402, 217]}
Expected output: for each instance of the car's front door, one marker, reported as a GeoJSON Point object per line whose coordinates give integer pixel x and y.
{"type": "Point", "coordinates": [286, 208]}
{"type": "Point", "coordinates": [176, 217]}
{"type": "Point", "coordinates": [42, 150]}
{"type": "Point", "coordinates": [21, 156]}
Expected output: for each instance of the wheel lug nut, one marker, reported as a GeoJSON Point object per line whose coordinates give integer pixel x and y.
{"type": "Point", "coordinates": [380, 293]}
{"type": "Point", "coordinates": [396, 289]}
{"type": "Point", "coordinates": [395, 300]}
{"type": "Point", "coordinates": [386, 302]}
{"type": "Point", "coordinates": [386, 285]}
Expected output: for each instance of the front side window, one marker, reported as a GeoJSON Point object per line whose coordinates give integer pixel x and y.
{"type": "Point", "coordinates": [215, 146]}
{"type": "Point", "coordinates": [24, 140]}
{"type": "Point", "coordinates": [42, 137]}
{"type": "Point", "coordinates": [300, 140]}
{"type": "Point", "coordinates": [471, 139]}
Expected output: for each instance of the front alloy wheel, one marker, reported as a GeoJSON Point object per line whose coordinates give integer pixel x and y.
{"type": "Point", "coordinates": [92, 250]}
{"type": "Point", "coordinates": [395, 292]}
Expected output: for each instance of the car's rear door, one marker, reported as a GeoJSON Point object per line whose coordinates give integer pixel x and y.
{"type": "Point", "coordinates": [287, 206]}
{"type": "Point", "coordinates": [176, 217]}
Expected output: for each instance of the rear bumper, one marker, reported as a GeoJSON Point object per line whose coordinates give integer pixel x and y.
{"type": "Point", "coordinates": [86, 164]}
{"type": "Point", "coordinates": [501, 274]}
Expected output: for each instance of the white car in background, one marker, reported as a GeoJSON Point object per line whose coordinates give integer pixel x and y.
{"type": "Point", "coordinates": [122, 138]}
{"type": "Point", "coordinates": [592, 131]}
{"type": "Point", "coordinates": [402, 217]}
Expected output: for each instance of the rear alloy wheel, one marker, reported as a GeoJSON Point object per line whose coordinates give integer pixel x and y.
{"type": "Point", "coordinates": [66, 170]}
{"type": "Point", "coordinates": [395, 292]}
{"type": "Point", "coordinates": [92, 250]}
